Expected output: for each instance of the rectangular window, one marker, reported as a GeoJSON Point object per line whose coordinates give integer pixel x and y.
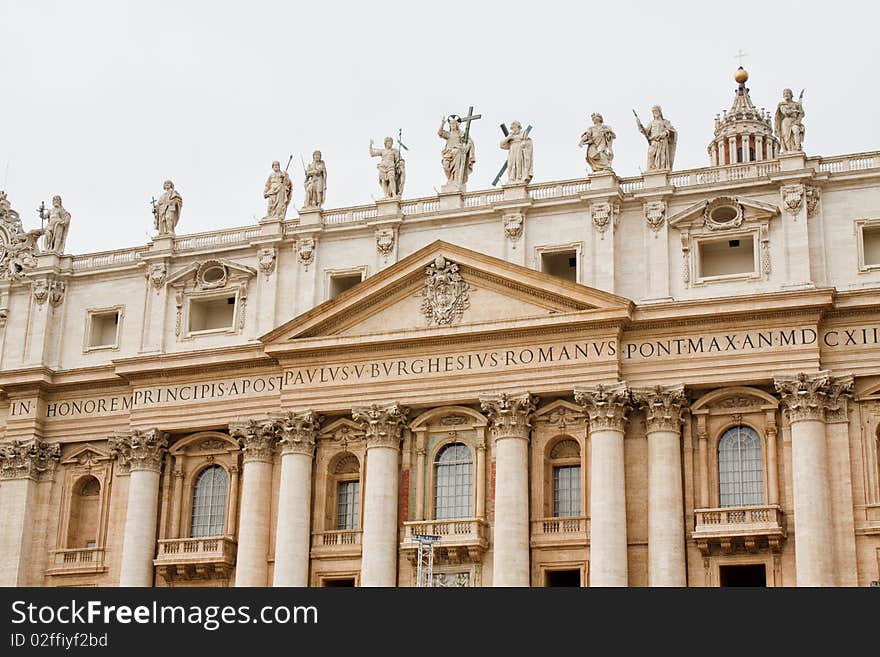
{"type": "Point", "coordinates": [103, 329]}
{"type": "Point", "coordinates": [348, 495]}
{"type": "Point", "coordinates": [566, 491]}
{"type": "Point", "coordinates": [211, 314]}
{"type": "Point", "coordinates": [562, 264]}
{"type": "Point", "coordinates": [871, 245]}
{"type": "Point", "coordinates": [339, 283]}
{"type": "Point", "coordinates": [727, 257]}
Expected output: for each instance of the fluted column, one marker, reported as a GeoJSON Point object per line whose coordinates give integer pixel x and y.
{"type": "Point", "coordinates": [607, 408]}
{"type": "Point", "coordinates": [382, 426]}
{"type": "Point", "coordinates": [296, 436]}
{"type": "Point", "coordinates": [22, 466]}
{"type": "Point", "coordinates": [257, 440]}
{"type": "Point", "coordinates": [421, 451]}
{"type": "Point", "coordinates": [805, 397]}
{"type": "Point", "coordinates": [663, 406]}
{"type": "Point", "coordinates": [176, 495]}
{"type": "Point", "coordinates": [510, 424]}
{"type": "Point", "coordinates": [143, 451]}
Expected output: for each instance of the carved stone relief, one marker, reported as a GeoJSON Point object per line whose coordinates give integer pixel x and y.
{"type": "Point", "coordinates": [445, 293]}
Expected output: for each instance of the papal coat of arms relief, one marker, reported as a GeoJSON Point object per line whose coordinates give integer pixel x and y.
{"type": "Point", "coordinates": [445, 293]}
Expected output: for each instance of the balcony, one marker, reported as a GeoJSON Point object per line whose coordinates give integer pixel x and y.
{"type": "Point", "coordinates": [461, 539]}
{"type": "Point", "coordinates": [730, 528]}
{"type": "Point", "coordinates": [571, 531]}
{"type": "Point", "coordinates": [336, 543]}
{"type": "Point", "coordinates": [195, 558]}
{"type": "Point", "coordinates": [77, 562]}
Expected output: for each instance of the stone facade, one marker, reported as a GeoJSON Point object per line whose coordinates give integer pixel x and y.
{"type": "Point", "coordinates": [617, 327]}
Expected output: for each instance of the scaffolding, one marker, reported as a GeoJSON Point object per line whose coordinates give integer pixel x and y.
{"type": "Point", "coordinates": [425, 559]}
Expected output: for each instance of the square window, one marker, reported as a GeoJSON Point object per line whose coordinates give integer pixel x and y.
{"type": "Point", "coordinates": [103, 329]}
{"type": "Point", "coordinates": [339, 283]}
{"type": "Point", "coordinates": [562, 264]}
{"type": "Point", "coordinates": [213, 314]}
{"type": "Point", "coordinates": [871, 245]}
{"type": "Point", "coordinates": [727, 257]}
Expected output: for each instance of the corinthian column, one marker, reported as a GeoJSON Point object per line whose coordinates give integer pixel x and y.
{"type": "Point", "coordinates": [382, 425]}
{"type": "Point", "coordinates": [143, 451]}
{"type": "Point", "coordinates": [663, 407]}
{"type": "Point", "coordinates": [22, 465]}
{"type": "Point", "coordinates": [297, 433]}
{"type": "Point", "coordinates": [510, 425]}
{"type": "Point", "coordinates": [805, 397]}
{"type": "Point", "coordinates": [257, 440]}
{"type": "Point", "coordinates": [607, 408]}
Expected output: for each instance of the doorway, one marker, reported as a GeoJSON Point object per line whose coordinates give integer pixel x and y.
{"type": "Point", "coordinates": [754, 575]}
{"type": "Point", "coordinates": [562, 578]}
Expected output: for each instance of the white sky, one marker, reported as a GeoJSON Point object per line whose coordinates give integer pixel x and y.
{"type": "Point", "coordinates": [102, 101]}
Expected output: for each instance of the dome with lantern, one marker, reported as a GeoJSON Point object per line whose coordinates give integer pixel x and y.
{"type": "Point", "coordinates": [743, 133]}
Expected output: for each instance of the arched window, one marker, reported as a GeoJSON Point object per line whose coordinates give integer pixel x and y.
{"type": "Point", "coordinates": [453, 482]}
{"type": "Point", "coordinates": [348, 492]}
{"type": "Point", "coordinates": [740, 467]}
{"type": "Point", "coordinates": [209, 503]}
{"type": "Point", "coordinates": [565, 462]}
{"type": "Point", "coordinates": [85, 508]}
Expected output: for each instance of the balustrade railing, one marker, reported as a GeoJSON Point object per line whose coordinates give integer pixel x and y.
{"type": "Point", "coordinates": [449, 531]}
{"type": "Point", "coordinates": [336, 537]}
{"type": "Point", "coordinates": [737, 517]}
{"type": "Point", "coordinates": [172, 550]}
{"type": "Point", "coordinates": [79, 557]}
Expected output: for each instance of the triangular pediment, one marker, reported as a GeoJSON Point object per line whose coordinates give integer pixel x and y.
{"type": "Point", "coordinates": [86, 455]}
{"type": "Point", "coordinates": [446, 286]}
{"type": "Point", "coordinates": [740, 209]}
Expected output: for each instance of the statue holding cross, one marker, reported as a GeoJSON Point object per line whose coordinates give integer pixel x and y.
{"type": "Point", "coordinates": [518, 145]}
{"type": "Point", "coordinates": [458, 155]}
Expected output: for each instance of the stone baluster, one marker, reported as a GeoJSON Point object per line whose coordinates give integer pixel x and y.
{"type": "Point", "coordinates": [510, 426]}
{"type": "Point", "coordinates": [257, 439]}
{"type": "Point", "coordinates": [663, 406]}
{"type": "Point", "coordinates": [382, 425]}
{"type": "Point", "coordinates": [607, 407]}
{"type": "Point", "coordinates": [143, 451]}
{"type": "Point", "coordinates": [22, 466]}
{"type": "Point", "coordinates": [297, 433]}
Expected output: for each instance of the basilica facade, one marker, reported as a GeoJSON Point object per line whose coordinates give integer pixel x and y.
{"type": "Point", "coordinates": [671, 379]}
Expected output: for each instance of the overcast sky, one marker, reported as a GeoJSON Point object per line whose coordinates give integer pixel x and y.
{"type": "Point", "coordinates": [102, 101]}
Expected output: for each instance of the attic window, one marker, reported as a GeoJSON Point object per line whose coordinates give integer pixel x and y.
{"type": "Point", "coordinates": [339, 283]}
{"type": "Point", "coordinates": [212, 314]}
{"type": "Point", "coordinates": [562, 264]}
{"type": "Point", "coordinates": [727, 257]}
{"type": "Point", "coordinates": [213, 275]}
{"type": "Point", "coordinates": [724, 213]}
{"type": "Point", "coordinates": [871, 245]}
{"type": "Point", "coordinates": [103, 329]}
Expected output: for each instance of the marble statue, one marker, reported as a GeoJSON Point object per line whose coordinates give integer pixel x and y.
{"type": "Point", "coordinates": [661, 137]}
{"type": "Point", "coordinates": [166, 211]}
{"type": "Point", "coordinates": [316, 181]}
{"type": "Point", "coordinates": [278, 192]}
{"type": "Point", "coordinates": [458, 158]}
{"type": "Point", "coordinates": [597, 139]}
{"type": "Point", "coordinates": [788, 122]}
{"type": "Point", "coordinates": [56, 231]}
{"type": "Point", "coordinates": [392, 171]}
{"type": "Point", "coordinates": [518, 145]}
{"type": "Point", "coordinates": [18, 249]}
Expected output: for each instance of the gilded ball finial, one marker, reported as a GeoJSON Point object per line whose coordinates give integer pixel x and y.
{"type": "Point", "coordinates": [741, 75]}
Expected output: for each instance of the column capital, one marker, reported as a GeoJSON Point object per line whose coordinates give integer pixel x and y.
{"type": "Point", "coordinates": [298, 431]}
{"type": "Point", "coordinates": [29, 460]}
{"type": "Point", "coordinates": [664, 406]}
{"type": "Point", "coordinates": [509, 414]}
{"type": "Point", "coordinates": [140, 449]}
{"type": "Point", "coordinates": [382, 423]}
{"type": "Point", "coordinates": [605, 405]}
{"type": "Point", "coordinates": [257, 439]}
{"type": "Point", "coordinates": [818, 396]}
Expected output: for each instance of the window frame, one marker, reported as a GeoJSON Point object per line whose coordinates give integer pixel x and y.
{"type": "Point", "coordinates": [330, 274]}
{"type": "Point", "coordinates": [697, 242]}
{"type": "Point", "coordinates": [191, 507]}
{"type": "Point", "coordinates": [91, 313]}
{"type": "Point", "coordinates": [434, 465]}
{"type": "Point", "coordinates": [716, 465]}
{"type": "Point", "coordinates": [210, 296]}
{"type": "Point", "coordinates": [859, 226]}
{"type": "Point", "coordinates": [555, 249]}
